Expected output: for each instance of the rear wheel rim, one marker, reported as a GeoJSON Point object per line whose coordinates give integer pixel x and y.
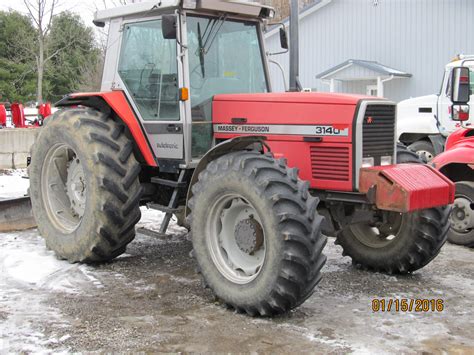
{"type": "Point", "coordinates": [63, 188]}
{"type": "Point", "coordinates": [235, 239]}
{"type": "Point", "coordinates": [381, 235]}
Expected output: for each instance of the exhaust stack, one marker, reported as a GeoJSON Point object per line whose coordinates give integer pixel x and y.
{"type": "Point", "coordinates": [295, 84]}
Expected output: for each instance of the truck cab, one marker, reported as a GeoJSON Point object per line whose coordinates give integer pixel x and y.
{"type": "Point", "coordinates": [424, 122]}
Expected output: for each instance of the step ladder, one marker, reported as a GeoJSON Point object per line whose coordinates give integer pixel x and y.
{"type": "Point", "coordinates": [172, 207]}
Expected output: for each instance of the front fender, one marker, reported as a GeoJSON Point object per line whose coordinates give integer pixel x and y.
{"type": "Point", "coordinates": [461, 154]}
{"type": "Point", "coordinates": [231, 145]}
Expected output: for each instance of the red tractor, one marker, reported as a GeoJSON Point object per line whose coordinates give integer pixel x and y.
{"type": "Point", "coordinates": [186, 123]}
{"type": "Point", "coordinates": [457, 163]}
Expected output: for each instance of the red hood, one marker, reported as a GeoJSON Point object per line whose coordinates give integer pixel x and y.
{"type": "Point", "coordinates": [296, 97]}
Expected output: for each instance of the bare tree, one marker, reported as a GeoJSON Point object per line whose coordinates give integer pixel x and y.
{"type": "Point", "coordinates": [41, 13]}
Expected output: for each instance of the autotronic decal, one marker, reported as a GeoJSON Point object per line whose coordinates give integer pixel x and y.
{"type": "Point", "coordinates": [301, 130]}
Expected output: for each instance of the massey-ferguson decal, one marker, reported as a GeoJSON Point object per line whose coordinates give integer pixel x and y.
{"type": "Point", "coordinates": [304, 130]}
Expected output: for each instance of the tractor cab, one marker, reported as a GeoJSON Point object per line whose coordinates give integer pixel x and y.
{"type": "Point", "coordinates": [171, 57]}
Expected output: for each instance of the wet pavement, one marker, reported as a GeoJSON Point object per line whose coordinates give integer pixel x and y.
{"type": "Point", "coordinates": [150, 299]}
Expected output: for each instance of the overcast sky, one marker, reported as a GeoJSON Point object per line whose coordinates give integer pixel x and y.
{"type": "Point", "coordinates": [84, 8]}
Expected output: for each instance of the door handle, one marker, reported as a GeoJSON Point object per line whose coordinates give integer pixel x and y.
{"type": "Point", "coordinates": [173, 128]}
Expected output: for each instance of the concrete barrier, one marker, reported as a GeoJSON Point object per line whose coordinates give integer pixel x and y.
{"type": "Point", "coordinates": [15, 145]}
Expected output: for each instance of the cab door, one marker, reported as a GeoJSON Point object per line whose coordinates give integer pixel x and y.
{"type": "Point", "coordinates": [148, 73]}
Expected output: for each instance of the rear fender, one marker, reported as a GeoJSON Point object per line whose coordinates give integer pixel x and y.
{"type": "Point", "coordinates": [228, 146]}
{"type": "Point", "coordinates": [114, 101]}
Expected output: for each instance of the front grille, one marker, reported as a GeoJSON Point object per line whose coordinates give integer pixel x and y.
{"type": "Point", "coordinates": [378, 131]}
{"type": "Point", "coordinates": [330, 162]}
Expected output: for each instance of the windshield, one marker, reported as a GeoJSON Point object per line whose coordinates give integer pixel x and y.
{"type": "Point", "coordinates": [224, 57]}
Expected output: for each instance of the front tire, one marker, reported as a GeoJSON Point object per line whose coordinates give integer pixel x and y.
{"type": "Point", "coordinates": [256, 233]}
{"type": "Point", "coordinates": [462, 217]}
{"type": "Point", "coordinates": [404, 243]}
{"type": "Point", "coordinates": [84, 186]}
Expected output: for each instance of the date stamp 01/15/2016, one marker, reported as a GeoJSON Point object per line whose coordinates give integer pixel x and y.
{"type": "Point", "coordinates": [407, 305]}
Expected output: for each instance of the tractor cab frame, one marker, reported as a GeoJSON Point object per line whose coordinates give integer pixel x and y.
{"type": "Point", "coordinates": [170, 82]}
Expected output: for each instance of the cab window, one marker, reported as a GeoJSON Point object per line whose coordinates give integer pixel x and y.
{"type": "Point", "coordinates": [148, 67]}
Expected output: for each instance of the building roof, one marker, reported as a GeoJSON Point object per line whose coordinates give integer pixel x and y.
{"type": "Point", "coordinates": [367, 64]}
{"type": "Point", "coordinates": [305, 11]}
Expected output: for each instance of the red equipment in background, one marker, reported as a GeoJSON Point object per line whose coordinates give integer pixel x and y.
{"type": "Point", "coordinates": [44, 110]}
{"type": "Point", "coordinates": [18, 115]}
{"type": "Point", "coordinates": [3, 116]}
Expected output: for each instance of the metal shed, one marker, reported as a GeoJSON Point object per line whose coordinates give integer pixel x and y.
{"type": "Point", "coordinates": [362, 71]}
{"type": "Point", "coordinates": [418, 37]}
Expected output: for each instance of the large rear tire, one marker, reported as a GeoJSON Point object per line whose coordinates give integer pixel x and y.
{"type": "Point", "coordinates": [462, 217]}
{"type": "Point", "coordinates": [84, 186]}
{"type": "Point", "coordinates": [256, 233]}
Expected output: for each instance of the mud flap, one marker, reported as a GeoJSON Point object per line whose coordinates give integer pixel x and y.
{"type": "Point", "coordinates": [16, 214]}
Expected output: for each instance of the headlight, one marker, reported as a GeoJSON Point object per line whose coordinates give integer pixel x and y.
{"type": "Point", "coordinates": [367, 162]}
{"type": "Point", "coordinates": [386, 160]}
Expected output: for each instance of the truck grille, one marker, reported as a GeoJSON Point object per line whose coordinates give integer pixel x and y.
{"type": "Point", "coordinates": [330, 163]}
{"type": "Point", "coordinates": [378, 132]}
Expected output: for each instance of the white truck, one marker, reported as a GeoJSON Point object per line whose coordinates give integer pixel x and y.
{"type": "Point", "coordinates": [424, 122]}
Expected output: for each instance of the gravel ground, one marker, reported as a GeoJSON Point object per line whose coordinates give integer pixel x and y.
{"type": "Point", "coordinates": [150, 299]}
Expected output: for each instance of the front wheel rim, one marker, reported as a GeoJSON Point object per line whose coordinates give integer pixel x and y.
{"type": "Point", "coordinates": [63, 188]}
{"type": "Point", "coordinates": [235, 239]}
{"type": "Point", "coordinates": [381, 235]}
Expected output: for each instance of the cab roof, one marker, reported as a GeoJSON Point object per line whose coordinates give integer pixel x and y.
{"type": "Point", "coordinates": [244, 8]}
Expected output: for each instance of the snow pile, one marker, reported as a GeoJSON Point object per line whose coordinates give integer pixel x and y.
{"type": "Point", "coordinates": [13, 183]}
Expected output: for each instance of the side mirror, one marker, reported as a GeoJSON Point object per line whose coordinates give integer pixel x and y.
{"type": "Point", "coordinates": [168, 26]}
{"type": "Point", "coordinates": [460, 112]}
{"type": "Point", "coordinates": [460, 89]}
{"type": "Point", "coordinates": [283, 38]}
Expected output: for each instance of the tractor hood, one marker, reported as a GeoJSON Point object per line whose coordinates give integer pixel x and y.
{"type": "Point", "coordinates": [293, 115]}
{"type": "Point", "coordinates": [295, 97]}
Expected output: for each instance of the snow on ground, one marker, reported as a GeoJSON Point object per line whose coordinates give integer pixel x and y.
{"type": "Point", "coordinates": [13, 183]}
{"type": "Point", "coordinates": [29, 273]}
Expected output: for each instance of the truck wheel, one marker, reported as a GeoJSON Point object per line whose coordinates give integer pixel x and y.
{"type": "Point", "coordinates": [405, 155]}
{"type": "Point", "coordinates": [424, 149]}
{"type": "Point", "coordinates": [462, 217]}
{"type": "Point", "coordinates": [405, 242]}
{"type": "Point", "coordinates": [84, 186]}
{"type": "Point", "coordinates": [256, 233]}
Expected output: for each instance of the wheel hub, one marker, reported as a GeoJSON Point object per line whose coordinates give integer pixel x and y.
{"type": "Point", "coordinates": [462, 217]}
{"type": "Point", "coordinates": [249, 235]}
{"type": "Point", "coordinates": [76, 187]}
{"type": "Point", "coordinates": [426, 155]}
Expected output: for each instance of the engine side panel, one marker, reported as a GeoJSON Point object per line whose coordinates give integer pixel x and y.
{"type": "Point", "coordinates": [315, 137]}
